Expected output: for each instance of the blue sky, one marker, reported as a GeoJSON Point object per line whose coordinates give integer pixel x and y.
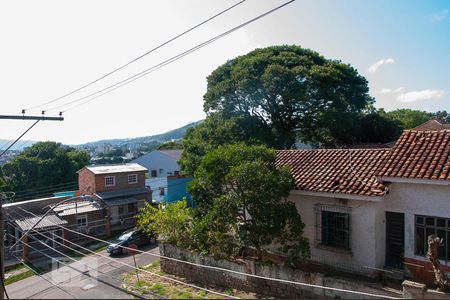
{"type": "Point", "coordinates": [51, 47]}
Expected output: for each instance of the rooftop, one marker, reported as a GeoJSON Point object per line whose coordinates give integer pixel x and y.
{"type": "Point", "coordinates": [432, 125]}
{"type": "Point", "coordinates": [77, 206]}
{"type": "Point", "coordinates": [47, 222]}
{"type": "Point", "coordinates": [111, 169]}
{"type": "Point", "coordinates": [419, 155]}
{"type": "Point", "coordinates": [172, 153]}
{"type": "Point", "coordinates": [122, 193]}
{"type": "Point", "coordinates": [343, 171]}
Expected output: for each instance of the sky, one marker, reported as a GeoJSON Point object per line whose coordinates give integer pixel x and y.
{"type": "Point", "coordinates": [50, 48]}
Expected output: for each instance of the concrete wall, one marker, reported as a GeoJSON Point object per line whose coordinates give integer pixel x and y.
{"type": "Point", "coordinates": [156, 160]}
{"type": "Point", "coordinates": [263, 287]}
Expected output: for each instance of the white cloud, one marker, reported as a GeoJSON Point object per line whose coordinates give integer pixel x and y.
{"type": "Point", "coordinates": [439, 16]}
{"type": "Point", "coordinates": [392, 91]}
{"type": "Point", "coordinates": [373, 68]}
{"type": "Point", "coordinates": [414, 96]}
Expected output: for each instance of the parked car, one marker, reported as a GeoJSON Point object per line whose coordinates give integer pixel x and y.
{"type": "Point", "coordinates": [129, 237]}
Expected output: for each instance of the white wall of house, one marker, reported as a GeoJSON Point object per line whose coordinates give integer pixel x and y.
{"type": "Point", "coordinates": [368, 221]}
{"type": "Point", "coordinates": [415, 199]}
{"type": "Point", "coordinates": [163, 164]}
{"type": "Point", "coordinates": [363, 225]}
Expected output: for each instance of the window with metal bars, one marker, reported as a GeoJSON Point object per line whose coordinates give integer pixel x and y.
{"type": "Point", "coordinates": [333, 226]}
{"type": "Point", "coordinates": [426, 226]}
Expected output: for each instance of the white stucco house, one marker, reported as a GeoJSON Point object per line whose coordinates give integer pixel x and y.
{"type": "Point", "coordinates": [371, 210]}
{"type": "Point", "coordinates": [160, 163]}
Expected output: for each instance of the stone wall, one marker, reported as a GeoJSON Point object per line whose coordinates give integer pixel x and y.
{"type": "Point", "coordinates": [416, 290]}
{"type": "Point", "coordinates": [262, 286]}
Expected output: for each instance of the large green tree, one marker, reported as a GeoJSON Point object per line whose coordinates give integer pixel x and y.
{"type": "Point", "coordinates": [239, 191]}
{"type": "Point", "coordinates": [217, 130]}
{"type": "Point", "coordinates": [43, 168]}
{"type": "Point", "coordinates": [409, 118]}
{"type": "Point", "coordinates": [293, 91]}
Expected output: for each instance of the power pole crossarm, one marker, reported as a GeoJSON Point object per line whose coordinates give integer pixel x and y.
{"type": "Point", "coordinates": [40, 118]}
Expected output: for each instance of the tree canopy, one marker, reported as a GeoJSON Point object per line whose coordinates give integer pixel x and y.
{"type": "Point", "coordinates": [239, 189]}
{"type": "Point", "coordinates": [43, 168]}
{"type": "Point", "coordinates": [295, 92]}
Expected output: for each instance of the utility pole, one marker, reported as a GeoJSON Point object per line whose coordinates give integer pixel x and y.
{"type": "Point", "coordinates": [2, 197]}
{"type": "Point", "coordinates": [2, 245]}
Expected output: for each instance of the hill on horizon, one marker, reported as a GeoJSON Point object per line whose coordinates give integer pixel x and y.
{"type": "Point", "coordinates": [174, 134]}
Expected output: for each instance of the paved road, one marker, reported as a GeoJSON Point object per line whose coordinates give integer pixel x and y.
{"type": "Point", "coordinates": [100, 279]}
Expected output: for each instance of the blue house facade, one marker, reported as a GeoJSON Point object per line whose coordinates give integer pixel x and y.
{"type": "Point", "coordinates": [177, 189]}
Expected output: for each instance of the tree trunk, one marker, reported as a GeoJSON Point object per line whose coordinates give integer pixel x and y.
{"type": "Point", "coordinates": [433, 245]}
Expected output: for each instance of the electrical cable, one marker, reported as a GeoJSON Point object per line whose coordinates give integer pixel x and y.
{"type": "Point", "coordinates": [71, 267]}
{"type": "Point", "coordinates": [139, 57]}
{"type": "Point", "coordinates": [128, 265]}
{"type": "Point", "coordinates": [9, 147]}
{"type": "Point", "coordinates": [160, 65]}
{"type": "Point", "coordinates": [227, 270]}
{"type": "Point", "coordinates": [41, 276]}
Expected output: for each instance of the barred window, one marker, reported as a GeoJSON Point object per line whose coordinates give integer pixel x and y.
{"type": "Point", "coordinates": [425, 226]}
{"type": "Point", "coordinates": [333, 226]}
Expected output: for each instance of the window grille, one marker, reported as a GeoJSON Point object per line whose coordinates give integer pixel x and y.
{"type": "Point", "coordinates": [333, 226]}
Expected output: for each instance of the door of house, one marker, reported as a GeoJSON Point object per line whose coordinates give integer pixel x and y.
{"type": "Point", "coordinates": [395, 239]}
{"type": "Point", "coordinates": [114, 215]}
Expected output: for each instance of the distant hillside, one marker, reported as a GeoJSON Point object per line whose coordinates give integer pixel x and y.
{"type": "Point", "coordinates": [18, 146]}
{"type": "Point", "coordinates": [174, 134]}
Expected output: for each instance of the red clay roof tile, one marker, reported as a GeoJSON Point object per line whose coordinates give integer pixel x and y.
{"type": "Point", "coordinates": [346, 171]}
{"type": "Point", "coordinates": [419, 155]}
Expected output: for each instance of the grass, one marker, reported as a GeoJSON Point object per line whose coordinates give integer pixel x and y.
{"type": "Point", "coordinates": [22, 275]}
{"type": "Point", "coordinates": [159, 287]}
{"type": "Point", "coordinates": [18, 277]}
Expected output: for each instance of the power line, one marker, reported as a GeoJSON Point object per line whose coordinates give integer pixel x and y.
{"type": "Point", "coordinates": [9, 147]}
{"type": "Point", "coordinates": [71, 267]}
{"type": "Point", "coordinates": [123, 263]}
{"type": "Point", "coordinates": [226, 270]}
{"type": "Point", "coordinates": [77, 251]}
{"type": "Point", "coordinates": [141, 56]}
{"type": "Point", "coordinates": [160, 65]}
{"type": "Point", "coordinates": [41, 276]}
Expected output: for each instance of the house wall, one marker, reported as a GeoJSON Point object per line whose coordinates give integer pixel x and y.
{"type": "Point", "coordinates": [363, 225]}
{"type": "Point", "coordinates": [415, 199]}
{"type": "Point", "coordinates": [86, 182]}
{"type": "Point", "coordinates": [177, 189]}
{"type": "Point", "coordinates": [90, 183]}
{"type": "Point", "coordinates": [95, 226]}
{"type": "Point", "coordinates": [156, 160]}
{"type": "Point", "coordinates": [368, 226]}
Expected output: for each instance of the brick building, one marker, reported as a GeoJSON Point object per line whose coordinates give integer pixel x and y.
{"type": "Point", "coordinates": [119, 188]}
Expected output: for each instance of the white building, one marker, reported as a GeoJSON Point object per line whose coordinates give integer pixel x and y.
{"type": "Point", "coordinates": [369, 210]}
{"type": "Point", "coordinates": [160, 163]}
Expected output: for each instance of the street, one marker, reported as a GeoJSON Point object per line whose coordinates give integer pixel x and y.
{"type": "Point", "coordinates": [100, 279]}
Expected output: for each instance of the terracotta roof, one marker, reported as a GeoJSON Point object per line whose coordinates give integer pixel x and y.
{"type": "Point", "coordinates": [344, 171]}
{"type": "Point", "coordinates": [432, 125]}
{"type": "Point", "coordinates": [419, 155]}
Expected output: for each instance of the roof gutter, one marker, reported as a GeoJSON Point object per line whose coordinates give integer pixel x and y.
{"type": "Point", "coordinates": [415, 181]}
{"type": "Point", "coordinates": [338, 195]}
